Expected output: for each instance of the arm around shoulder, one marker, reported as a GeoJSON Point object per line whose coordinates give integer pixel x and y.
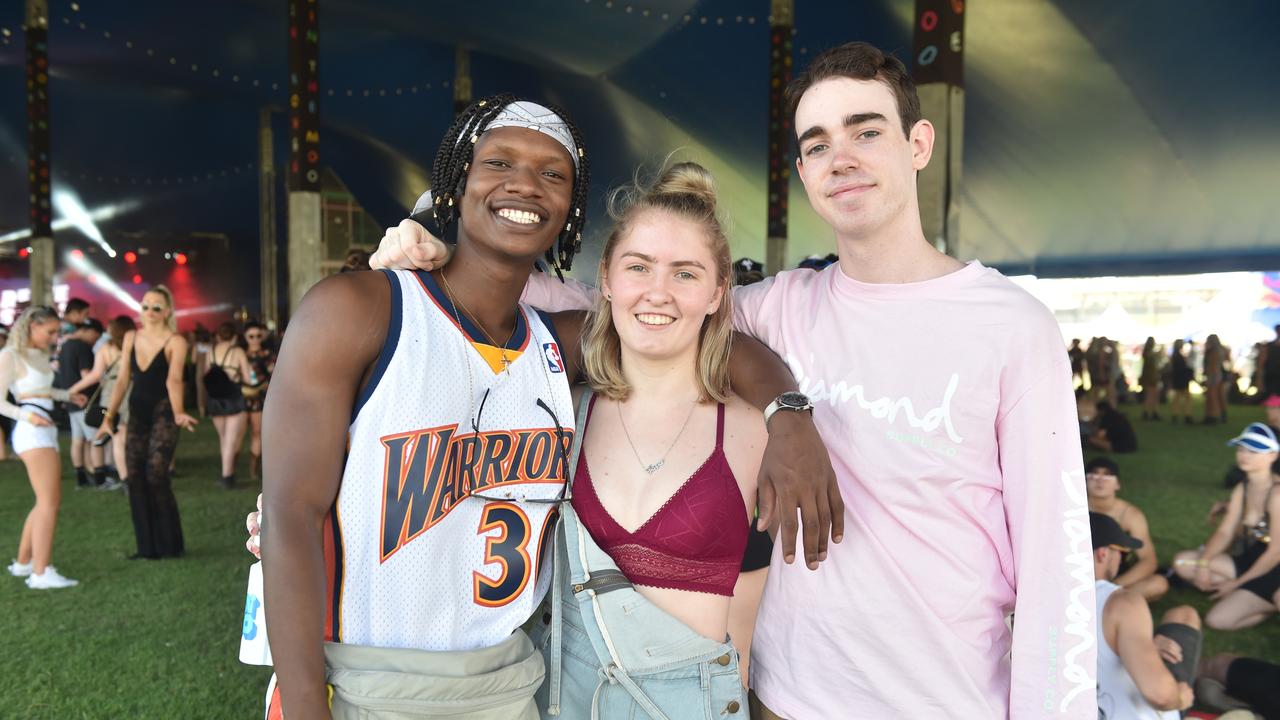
{"type": "Point", "coordinates": [569, 325]}
{"type": "Point", "coordinates": [796, 476]}
{"type": "Point", "coordinates": [745, 438]}
{"type": "Point", "coordinates": [550, 294]}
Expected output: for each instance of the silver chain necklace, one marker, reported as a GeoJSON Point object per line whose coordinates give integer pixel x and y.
{"type": "Point", "coordinates": [655, 466]}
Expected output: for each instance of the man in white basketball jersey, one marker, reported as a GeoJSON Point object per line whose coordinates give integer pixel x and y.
{"type": "Point", "coordinates": [401, 570]}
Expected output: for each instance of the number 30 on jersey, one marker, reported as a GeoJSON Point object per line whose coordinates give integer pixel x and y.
{"type": "Point", "coordinates": [510, 550]}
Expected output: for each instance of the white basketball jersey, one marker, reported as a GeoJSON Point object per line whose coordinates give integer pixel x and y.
{"type": "Point", "coordinates": [415, 559]}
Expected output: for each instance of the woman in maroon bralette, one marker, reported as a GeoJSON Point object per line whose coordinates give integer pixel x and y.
{"type": "Point", "coordinates": [667, 477]}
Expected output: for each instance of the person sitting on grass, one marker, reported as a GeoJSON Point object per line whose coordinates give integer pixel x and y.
{"type": "Point", "coordinates": [1138, 568]}
{"type": "Point", "coordinates": [1247, 583]}
{"type": "Point", "coordinates": [1111, 431]}
{"type": "Point", "coordinates": [1229, 682]}
{"type": "Point", "coordinates": [1143, 671]}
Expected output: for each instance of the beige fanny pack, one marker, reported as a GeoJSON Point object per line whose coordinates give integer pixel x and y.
{"type": "Point", "coordinates": [496, 683]}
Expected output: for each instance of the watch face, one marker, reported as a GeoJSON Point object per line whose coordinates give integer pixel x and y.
{"type": "Point", "coordinates": [793, 400]}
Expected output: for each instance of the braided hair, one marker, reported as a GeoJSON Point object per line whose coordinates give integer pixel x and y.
{"type": "Point", "coordinates": [453, 161]}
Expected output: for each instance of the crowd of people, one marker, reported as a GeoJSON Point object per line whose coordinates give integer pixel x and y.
{"type": "Point", "coordinates": [121, 392]}
{"type": "Point", "coordinates": [1105, 372]}
{"type": "Point", "coordinates": [1164, 382]}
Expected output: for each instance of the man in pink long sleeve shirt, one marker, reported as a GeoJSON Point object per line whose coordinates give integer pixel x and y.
{"type": "Point", "coordinates": [944, 397]}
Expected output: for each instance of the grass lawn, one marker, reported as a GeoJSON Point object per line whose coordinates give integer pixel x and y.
{"type": "Point", "coordinates": [136, 639]}
{"type": "Point", "coordinates": [159, 639]}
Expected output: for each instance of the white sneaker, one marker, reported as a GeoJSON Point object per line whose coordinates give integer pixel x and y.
{"type": "Point", "coordinates": [50, 579]}
{"type": "Point", "coordinates": [18, 569]}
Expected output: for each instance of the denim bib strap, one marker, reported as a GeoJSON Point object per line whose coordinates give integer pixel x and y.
{"type": "Point", "coordinates": [573, 568]}
{"type": "Point", "coordinates": [559, 568]}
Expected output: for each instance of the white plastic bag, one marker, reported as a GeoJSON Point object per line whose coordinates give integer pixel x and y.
{"type": "Point", "coordinates": [254, 649]}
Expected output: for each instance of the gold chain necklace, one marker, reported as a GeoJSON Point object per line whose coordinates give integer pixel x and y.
{"type": "Point", "coordinates": [506, 362]}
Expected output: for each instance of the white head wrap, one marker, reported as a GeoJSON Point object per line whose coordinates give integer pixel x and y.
{"type": "Point", "coordinates": [522, 114]}
{"type": "Point", "coordinates": [531, 115]}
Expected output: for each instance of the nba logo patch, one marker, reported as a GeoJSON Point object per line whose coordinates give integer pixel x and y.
{"type": "Point", "coordinates": [552, 353]}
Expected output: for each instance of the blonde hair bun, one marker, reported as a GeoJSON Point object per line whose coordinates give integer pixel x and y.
{"type": "Point", "coordinates": [690, 182]}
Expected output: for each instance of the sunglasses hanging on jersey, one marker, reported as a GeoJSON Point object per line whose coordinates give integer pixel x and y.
{"type": "Point", "coordinates": [560, 438]}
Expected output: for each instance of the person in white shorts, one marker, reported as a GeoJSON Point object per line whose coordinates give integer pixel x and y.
{"type": "Point", "coordinates": [25, 372]}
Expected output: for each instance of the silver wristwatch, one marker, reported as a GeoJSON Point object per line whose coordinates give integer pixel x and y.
{"type": "Point", "coordinates": [793, 401]}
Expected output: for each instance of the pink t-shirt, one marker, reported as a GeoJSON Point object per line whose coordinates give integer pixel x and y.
{"type": "Point", "coordinates": [947, 408]}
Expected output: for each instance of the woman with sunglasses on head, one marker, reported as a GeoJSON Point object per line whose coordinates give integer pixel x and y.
{"type": "Point", "coordinates": [25, 371]}
{"type": "Point", "coordinates": [262, 361]}
{"type": "Point", "coordinates": [153, 363]}
{"type": "Point", "coordinates": [106, 369]}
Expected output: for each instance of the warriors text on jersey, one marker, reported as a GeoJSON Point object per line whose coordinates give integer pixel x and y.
{"type": "Point", "coordinates": [414, 558]}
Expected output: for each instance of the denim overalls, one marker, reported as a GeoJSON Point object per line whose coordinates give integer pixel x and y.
{"type": "Point", "coordinates": [609, 652]}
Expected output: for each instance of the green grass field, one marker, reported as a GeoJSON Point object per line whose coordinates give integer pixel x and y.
{"type": "Point", "coordinates": [136, 639]}
{"type": "Point", "coordinates": [159, 639]}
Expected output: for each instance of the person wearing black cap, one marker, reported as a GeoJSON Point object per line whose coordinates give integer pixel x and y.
{"type": "Point", "coordinates": [1143, 672]}
{"type": "Point", "coordinates": [1138, 570]}
{"type": "Point", "coordinates": [75, 360]}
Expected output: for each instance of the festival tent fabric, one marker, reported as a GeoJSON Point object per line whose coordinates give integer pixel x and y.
{"type": "Point", "coordinates": [1100, 137]}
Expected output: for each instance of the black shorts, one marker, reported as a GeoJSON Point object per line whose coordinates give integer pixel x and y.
{"type": "Point", "coordinates": [1255, 682]}
{"type": "Point", "coordinates": [218, 407]}
{"type": "Point", "coordinates": [1264, 587]}
{"type": "Point", "coordinates": [1247, 557]}
{"type": "Point", "coordinates": [1188, 638]}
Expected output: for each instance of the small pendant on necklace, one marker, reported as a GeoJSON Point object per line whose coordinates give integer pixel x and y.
{"type": "Point", "coordinates": [651, 469]}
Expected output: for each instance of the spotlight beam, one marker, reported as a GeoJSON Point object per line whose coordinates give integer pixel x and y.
{"type": "Point", "coordinates": [106, 212]}
{"type": "Point", "coordinates": [70, 207]}
{"type": "Point", "coordinates": [84, 266]}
